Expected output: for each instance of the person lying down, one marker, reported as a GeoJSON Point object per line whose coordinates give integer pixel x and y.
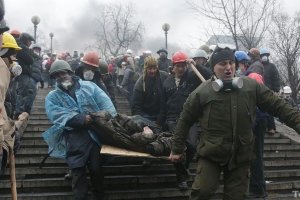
{"type": "Point", "coordinates": [132, 133]}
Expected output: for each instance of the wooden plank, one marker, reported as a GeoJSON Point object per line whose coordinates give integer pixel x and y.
{"type": "Point", "coordinates": [107, 149]}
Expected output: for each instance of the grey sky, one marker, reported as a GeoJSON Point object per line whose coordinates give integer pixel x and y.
{"type": "Point", "coordinates": [71, 21]}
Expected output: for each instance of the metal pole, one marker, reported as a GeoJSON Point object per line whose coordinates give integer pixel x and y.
{"type": "Point", "coordinates": [51, 46]}
{"type": "Point", "coordinates": [35, 27]}
{"type": "Point", "coordinates": [166, 33]}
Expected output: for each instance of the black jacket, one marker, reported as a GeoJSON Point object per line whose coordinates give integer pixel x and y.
{"type": "Point", "coordinates": [25, 59]}
{"type": "Point", "coordinates": [147, 103]}
{"type": "Point", "coordinates": [271, 76]}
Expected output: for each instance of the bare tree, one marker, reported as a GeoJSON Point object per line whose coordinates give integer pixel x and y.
{"type": "Point", "coordinates": [246, 21]}
{"type": "Point", "coordinates": [118, 29]}
{"type": "Point", "coordinates": [285, 41]}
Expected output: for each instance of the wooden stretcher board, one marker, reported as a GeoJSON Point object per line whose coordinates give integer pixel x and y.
{"type": "Point", "coordinates": [107, 149]}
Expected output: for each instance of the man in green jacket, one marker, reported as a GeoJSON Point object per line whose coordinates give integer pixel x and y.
{"type": "Point", "coordinates": [225, 109]}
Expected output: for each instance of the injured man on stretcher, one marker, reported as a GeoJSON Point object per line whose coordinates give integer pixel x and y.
{"type": "Point", "coordinates": [132, 133]}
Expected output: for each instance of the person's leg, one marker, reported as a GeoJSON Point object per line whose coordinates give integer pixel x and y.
{"type": "Point", "coordinates": [79, 184]}
{"type": "Point", "coordinates": [236, 182]}
{"type": "Point", "coordinates": [271, 125]}
{"type": "Point", "coordinates": [257, 184]}
{"type": "Point", "coordinates": [96, 172]}
{"type": "Point", "coordinates": [206, 181]}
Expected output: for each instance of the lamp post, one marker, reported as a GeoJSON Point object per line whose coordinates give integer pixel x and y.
{"type": "Point", "coordinates": [35, 20]}
{"type": "Point", "coordinates": [166, 27]}
{"type": "Point", "coordinates": [51, 37]}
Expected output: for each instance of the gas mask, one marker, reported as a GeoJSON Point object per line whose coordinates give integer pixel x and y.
{"type": "Point", "coordinates": [264, 59]}
{"type": "Point", "coordinates": [88, 75]}
{"type": "Point", "coordinates": [227, 85]}
{"type": "Point", "coordinates": [15, 69]}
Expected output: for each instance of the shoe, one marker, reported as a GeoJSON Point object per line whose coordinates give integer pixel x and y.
{"type": "Point", "coordinates": [182, 185]}
{"type": "Point", "coordinates": [69, 175]}
{"type": "Point", "coordinates": [271, 132]}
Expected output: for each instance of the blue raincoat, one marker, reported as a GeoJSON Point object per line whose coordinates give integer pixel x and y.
{"type": "Point", "coordinates": [61, 107]}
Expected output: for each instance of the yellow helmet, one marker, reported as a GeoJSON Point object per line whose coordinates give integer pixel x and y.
{"type": "Point", "coordinates": [8, 41]}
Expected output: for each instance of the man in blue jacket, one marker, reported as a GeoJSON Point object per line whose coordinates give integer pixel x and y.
{"type": "Point", "coordinates": [68, 108]}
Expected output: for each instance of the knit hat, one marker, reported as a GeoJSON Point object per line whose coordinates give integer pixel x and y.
{"type": "Point", "coordinates": [220, 55]}
{"type": "Point", "coordinates": [150, 61]}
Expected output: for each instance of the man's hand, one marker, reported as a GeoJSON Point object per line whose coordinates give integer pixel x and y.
{"type": "Point", "coordinates": [175, 158]}
{"type": "Point", "coordinates": [88, 119]}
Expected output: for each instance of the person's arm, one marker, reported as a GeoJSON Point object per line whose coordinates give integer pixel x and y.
{"type": "Point", "coordinates": [275, 79]}
{"type": "Point", "coordinates": [126, 77]}
{"type": "Point", "coordinates": [189, 115]}
{"type": "Point", "coordinates": [269, 102]}
{"type": "Point", "coordinates": [138, 97]}
{"type": "Point", "coordinates": [79, 121]}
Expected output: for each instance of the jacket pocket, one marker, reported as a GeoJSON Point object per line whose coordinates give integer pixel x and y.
{"type": "Point", "coordinates": [245, 150]}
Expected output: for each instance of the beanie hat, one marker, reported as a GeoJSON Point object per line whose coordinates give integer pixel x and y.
{"type": "Point", "coordinates": [220, 55]}
{"type": "Point", "coordinates": [150, 61]}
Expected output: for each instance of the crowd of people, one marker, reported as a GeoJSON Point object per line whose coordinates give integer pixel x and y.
{"type": "Point", "coordinates": [220, 118]}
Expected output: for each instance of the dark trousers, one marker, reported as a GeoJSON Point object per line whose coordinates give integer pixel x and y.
{"type": "Point", "coordinates": [271, 123]}
{"type": "Point", "coordinates": [25, 94]}
{"type": "Point", "coordinates": [206, 181]}
{"type": "Point", "coordinates": [79, 180]}
{"type": "Point", "coordinates": [257, 178]}
{"type": "Point", "coordinates": [191, 144]}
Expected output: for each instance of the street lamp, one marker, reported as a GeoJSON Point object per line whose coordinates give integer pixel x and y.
{"type": "Point", "coordinates": [35, 20]}
{"type": "Point", "coordinates": [166, 27]}
{"type": "Point", "coordinates": [51, 37]}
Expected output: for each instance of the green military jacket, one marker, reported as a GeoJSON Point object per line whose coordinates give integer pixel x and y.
{"type": "Point", "coordinates": [226, 119]}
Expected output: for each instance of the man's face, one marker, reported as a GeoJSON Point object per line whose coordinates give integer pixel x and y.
{"type": "Point", "coordinates": [242, 67]}
{"type": "Point", "coordinates": [162, 54]}
{"type": "Point", "coordinates": [62, 76]}
{"type": "Point", "coordinates": [200, 61]}
{"type": "Point", "coordinates": [179, 69]}
{"type": "Point", "coordinates": [225, 69]}
{"type": "Point", "coordinates": [151, 71]}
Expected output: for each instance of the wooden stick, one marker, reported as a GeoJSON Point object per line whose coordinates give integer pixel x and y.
{"type": "Point", "coordinates": [197, 73]}
{"type": "Point", "coordinates": [13, 181]}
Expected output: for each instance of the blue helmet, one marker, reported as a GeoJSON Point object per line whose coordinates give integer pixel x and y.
{"type": "Point", "coordinates": [241, 56]}
{"type": "Point", "coordinates": [264, 51]}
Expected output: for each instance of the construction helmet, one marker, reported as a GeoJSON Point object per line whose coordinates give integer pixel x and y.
{"type": "Point", "coordinates": [91, 58]}
{"type": "Point", "coordinates": [254, 52]}
{"type": "Point", "coordinates": [179, 57]}
{"type": "Point", "coordinates": [212, 47]}
{"type": "Point", "coordinates": [129, 51]}
{"type": "Point", "coordinates": [25, 37]}
{"type": "Point", "coordinates": [162, 50]}
{"type": "Point", "coordinates": [36, 46]}
{"type": "Point", "coordinates": [3, 26]}
{"type": "Point", "coordinates": [15, 33]}
{"type": "Point", "coordinates": [8, 41]}
{"type": "Point", "coordinates": [205, 48]}
{"type": "Point", "coordinates": [59, 66]}
{"type": "Point", "coordinates": [287, 90]}
{"type": "Point", "coordinates": [199, 53]}
{"type": "Point", "coordinates": [264, 51]}
{"type": "Point", "coordinates": [241, 56]}
{"type": "Point", "coordinates": [103, 66]}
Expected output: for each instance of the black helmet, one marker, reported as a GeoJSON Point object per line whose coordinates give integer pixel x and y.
{"type": "Point", "coordinates": [3, 26]}
{"type": "Point", "coordinates": [24, 37]}
{"type": "Point", "coordinates": [162, 50]}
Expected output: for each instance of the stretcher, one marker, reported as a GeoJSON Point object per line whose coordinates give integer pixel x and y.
{"type": "Point", "coordinates": [110, 150]}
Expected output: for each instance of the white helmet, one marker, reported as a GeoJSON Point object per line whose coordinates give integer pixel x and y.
{"type": "Point", "coordinates": [45, 57]}
{"type": "Point", "coordinates": [129, 51]}
{"type": "Point", "coordinates": [212, 47]}
{"type": "Point", "coordinates": [287, 90]}
{"type": "Point", "coordinates": [199, 53]}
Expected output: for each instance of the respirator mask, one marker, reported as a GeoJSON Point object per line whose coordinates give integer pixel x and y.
{"type": "Point", "coordinates": [15, 69]}
{"type": "Point", "coordinates": [227, 85]}
{"type": "Point", "coordinates": [88, 75]}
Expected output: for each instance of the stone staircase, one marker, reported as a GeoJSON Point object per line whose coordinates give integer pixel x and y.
{"type": "Point", "coordinates": [127, 178]}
